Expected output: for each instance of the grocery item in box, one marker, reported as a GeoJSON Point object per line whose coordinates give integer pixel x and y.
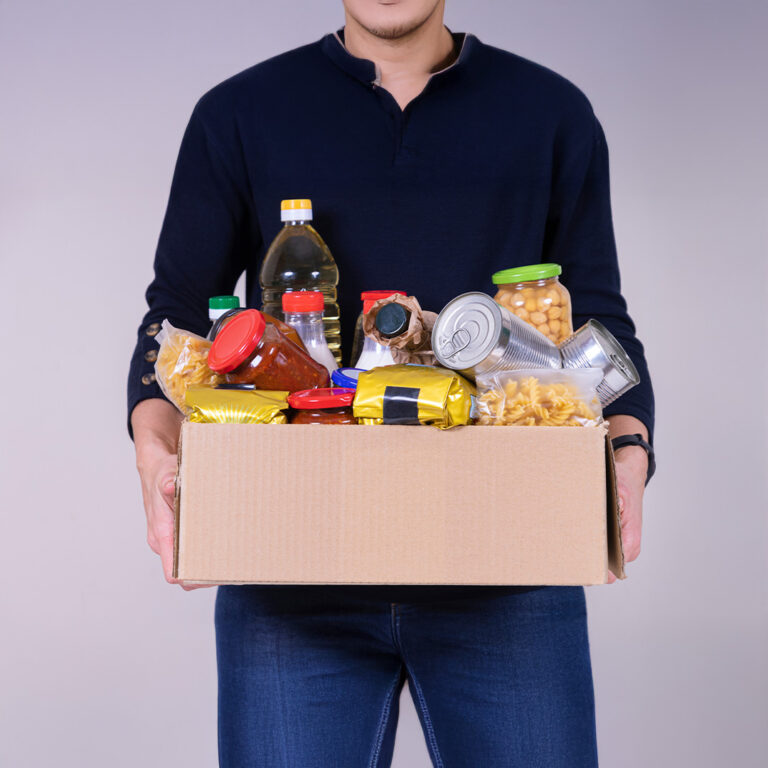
{"type": "Point", "coordinates": [249, 350]}
{"type": "Point", "coordinates": [413, 394]}
{"type": "Point", "coordinates": [399, 322]}
{"type": "Point", "coordinates": [369, 298]}
{"type": "Point", "coordinates": [476, 335]}
{"type": "Point", "coordinates": [564, 398]}
{"type": "Point", "coordinates": [536, 295]}
{"type": "Point", "coordinates": [182, 362]}
{"type": "Point", "coordinates": [594, 346]}
{"type": "Point", "coordinates": [303, 312]}
{"type": "Point", "coordinates": [298, 259]}
{"type": "Point", "coordinates": [331, 405]}
{"type": "Point", "coordinates": [236, 405]}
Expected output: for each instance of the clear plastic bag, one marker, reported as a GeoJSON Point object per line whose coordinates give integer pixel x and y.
{"type": "Point", "coordinates": [181, 362]}
{"type": "Point", "coordinates": [540, 398]}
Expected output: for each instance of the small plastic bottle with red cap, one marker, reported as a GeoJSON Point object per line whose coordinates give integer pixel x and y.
{"type": "Point", "coordinates": [303, 311]}
{"type": "Point", "coordinates": [365, 350]}
{"type": "Point", "coordinates": [331, 405]}
{"type": "Point", "coordinates": [249, 350]}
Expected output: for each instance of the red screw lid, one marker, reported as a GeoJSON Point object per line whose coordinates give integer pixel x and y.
{"type": "Point", "coordinates": [303, 301]}
{"type": "Point", "coordinates": [236, 341]}
{"type": "Point", "coordinates": [369, 297]}
{"type": "Point", "coordinates": [328, 397]}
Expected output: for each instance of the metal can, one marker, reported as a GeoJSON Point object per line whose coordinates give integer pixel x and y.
{"type": "Point", "coordinates": [594, 346]}
{"type": "Point", "coordinates": [475, 335]}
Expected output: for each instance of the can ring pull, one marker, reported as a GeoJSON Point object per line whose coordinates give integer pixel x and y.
{"type": "Point", "coordinates": [460, 339]}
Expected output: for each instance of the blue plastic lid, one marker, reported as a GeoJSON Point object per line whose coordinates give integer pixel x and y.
{"type": "Point", "coordinates": [346, 377]}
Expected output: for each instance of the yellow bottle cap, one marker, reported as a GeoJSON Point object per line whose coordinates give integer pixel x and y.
{"type": "Point", "coordinates": [293, 205]}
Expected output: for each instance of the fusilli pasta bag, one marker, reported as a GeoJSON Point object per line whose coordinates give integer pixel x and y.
{"type": "Point", "coordinates": [540, 398]}
{"type": "Point", "coordinates": [182, 362]}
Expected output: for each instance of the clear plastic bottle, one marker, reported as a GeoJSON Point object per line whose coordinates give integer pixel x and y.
{"type": "Point", "coordinates": [303, 311]}
{"type": "Point", "coordinates": [298, 259]}
{"type": "Point", "coordinates": [368, 299]}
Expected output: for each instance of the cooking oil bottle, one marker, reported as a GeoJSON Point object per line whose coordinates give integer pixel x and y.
{"type": "Point", "coordinates": [298, 259]}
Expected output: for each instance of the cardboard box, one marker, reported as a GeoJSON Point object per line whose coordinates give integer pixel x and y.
{"type": "Point", "coordinates": [395, 505]}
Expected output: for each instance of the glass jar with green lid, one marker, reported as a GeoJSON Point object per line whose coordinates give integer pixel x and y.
{"type": "Point", "coordinates": [535, 295]}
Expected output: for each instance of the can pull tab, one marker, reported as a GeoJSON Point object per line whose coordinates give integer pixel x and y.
{"type": "Point", "coordinates": [619, 363]}
{"type": "Point", "coordinates": [460, 340]}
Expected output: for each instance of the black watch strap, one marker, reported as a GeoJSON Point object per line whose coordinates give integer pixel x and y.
{"type": "Point", "coordinates": [624, 440]}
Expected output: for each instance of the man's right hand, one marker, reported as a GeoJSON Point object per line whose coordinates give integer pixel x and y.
{"type": "Point", "coordinates": [157, 469]}
{"type": "Point", "coordinates": [156, 426]}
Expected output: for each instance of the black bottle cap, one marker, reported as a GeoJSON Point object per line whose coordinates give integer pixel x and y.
{"type": "Point", "coordinates": [392, 320]}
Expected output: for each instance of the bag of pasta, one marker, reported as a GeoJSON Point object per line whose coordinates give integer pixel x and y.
{"type": "Point", "coordinates": [237, 405]}
{"type": "Point", "coordinates": [540, 398]}
{"type": "Point", "coordinates": [413, 394]}
{"type": "Point", "coordinates": [182, 362]}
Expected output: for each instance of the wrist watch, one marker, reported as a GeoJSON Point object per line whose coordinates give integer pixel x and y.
{"type": "Point", "coordinates": [624, 440]}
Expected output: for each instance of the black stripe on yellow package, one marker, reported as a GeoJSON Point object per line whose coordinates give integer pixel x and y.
{"type": "Point", "coordinates": [414, 394]}
{"type": "Point", "coordinates": [236, 406]}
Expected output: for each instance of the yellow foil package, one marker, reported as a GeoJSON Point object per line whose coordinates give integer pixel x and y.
{"type": "Point", "coordinates": [414, 394]}
{"type": "Point", "coordinates": [236, 406]}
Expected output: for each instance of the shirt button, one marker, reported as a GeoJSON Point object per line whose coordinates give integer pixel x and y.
{"type": "Point", "coordinates": [148, 378]}
{"type": "Point", "coordinates": [151, 356]}
{"type": "Point", "coordinates": [153, 330]}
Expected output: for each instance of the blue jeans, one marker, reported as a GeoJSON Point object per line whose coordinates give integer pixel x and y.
{"type": "Point", "coordinates": [309, 676]}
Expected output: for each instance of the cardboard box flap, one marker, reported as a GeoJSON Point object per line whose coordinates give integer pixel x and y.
{"type": "Point", "coordinates": [615, 544]}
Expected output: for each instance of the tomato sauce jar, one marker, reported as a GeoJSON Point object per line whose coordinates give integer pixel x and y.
{"type": "Point", "coordinates": [249, 350]}
{"type": "Point", "coordinates": [332, 405]}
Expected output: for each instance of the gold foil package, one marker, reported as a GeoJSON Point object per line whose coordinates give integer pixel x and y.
{"type": "Point", "coordinates": [236, 406]}
{"type": "Point", "coordinates": [413, 394]}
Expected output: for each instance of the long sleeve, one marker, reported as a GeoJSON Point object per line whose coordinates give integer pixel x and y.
{"type": "Point", "coordinates": [207, 235]}
{"type": "Point", "coordinates": [580, 237]}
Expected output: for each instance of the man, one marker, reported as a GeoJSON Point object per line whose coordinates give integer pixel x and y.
{"type": "Point", "coordinates": [432, 161]}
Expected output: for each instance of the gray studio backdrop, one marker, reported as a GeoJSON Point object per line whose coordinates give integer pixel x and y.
{"type": "Point", "coordinates": [102, 663]}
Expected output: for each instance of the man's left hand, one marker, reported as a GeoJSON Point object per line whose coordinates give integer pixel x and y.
{"type": "Point", "coordinates": [631, 471]}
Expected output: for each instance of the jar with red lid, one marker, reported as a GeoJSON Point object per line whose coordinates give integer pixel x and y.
{"type": "Point", "coordinates": [249, 350]}
{"type": "Point", "coordinates": [332, 405]}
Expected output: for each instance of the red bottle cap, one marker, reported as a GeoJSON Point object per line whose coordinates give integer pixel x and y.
{"type": "Point", "coordinates": [370, 297]}
{"type": "Point", "coordinates": [303, 301]}
{"type": "Point", "coordinates": [328, 397]}
{"type": "Point", "coordinates": [236, 341]}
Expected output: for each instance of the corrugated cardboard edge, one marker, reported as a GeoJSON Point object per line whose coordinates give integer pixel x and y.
{"type": "Point", "coordinates": [177, 507]}
{"type": "Point", "coordinates": [615, 544]}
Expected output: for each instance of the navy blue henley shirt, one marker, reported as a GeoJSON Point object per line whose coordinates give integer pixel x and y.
{"type": "Point", "coordinates": [499, 162]}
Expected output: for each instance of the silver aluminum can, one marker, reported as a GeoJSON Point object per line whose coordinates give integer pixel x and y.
{"type": "Point", "coordinates": [594, 346]}
{"type": "Point", "coordinates": [475, 335]}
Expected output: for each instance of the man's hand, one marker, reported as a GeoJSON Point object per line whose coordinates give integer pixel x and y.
{"type": "Point", "coordinates": [156, 426]}
{"type": "Point", "coordinates": [631, 472]}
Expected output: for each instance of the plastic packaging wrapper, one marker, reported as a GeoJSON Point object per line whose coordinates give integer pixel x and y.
{"type": "Point", "coordinates": [236, 406]}
{"type": "Point", "coordinates": [413, 394]}
{"type": "Point", "coordinates": [540, 398]}
{"type": "Point", "coordinates": [413, 346]}
{"type": "Point", "coordinates": [182, 362]}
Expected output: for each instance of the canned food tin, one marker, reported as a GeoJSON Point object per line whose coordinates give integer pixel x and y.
{"type": "Point", "coordinates": [475, 335]}
{"type": "Point", "coordinates": [594, 346]}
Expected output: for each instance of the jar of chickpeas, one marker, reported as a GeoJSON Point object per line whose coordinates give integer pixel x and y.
{"type": "Point", "coordinates": [535, 295]}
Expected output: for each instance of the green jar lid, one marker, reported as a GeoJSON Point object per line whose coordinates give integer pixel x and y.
{"type": "Point", "coordinates": [524, 274]}
{"type": "Point", "coordinates": [224, 302]}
